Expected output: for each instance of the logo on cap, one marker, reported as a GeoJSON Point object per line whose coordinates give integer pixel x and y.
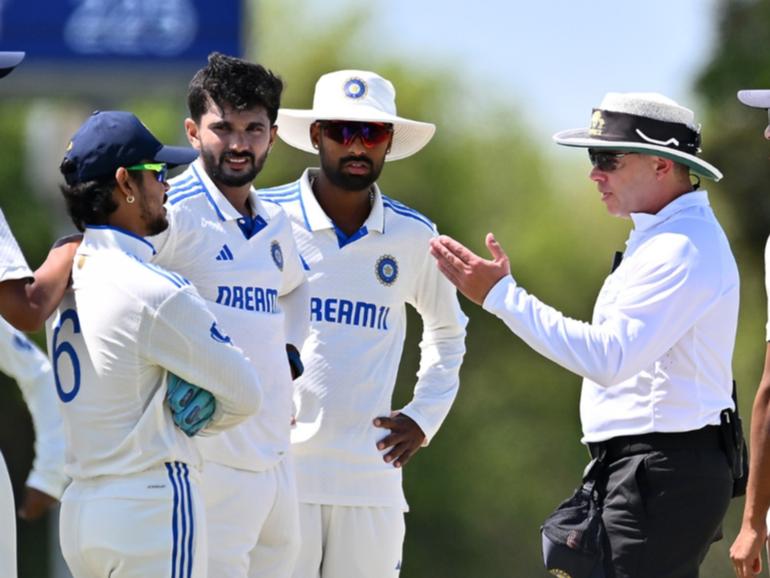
{"type": "Point", "coordinates": [387, 270]}
{"type": "Point", "coordinates": [597, 123]}
{"type": "Point", "coordinates": [355, 88]}
{"type": "Point", "coordinates": [277, 254]}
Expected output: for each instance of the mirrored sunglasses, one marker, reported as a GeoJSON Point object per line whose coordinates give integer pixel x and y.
{"type": "Point", "coordinates": [345, 132]}
{"type": "Point", "coordinates": [160, 170]}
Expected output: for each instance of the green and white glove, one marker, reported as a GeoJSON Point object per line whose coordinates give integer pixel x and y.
{"type": "Point", "coordinates": [191, 407]}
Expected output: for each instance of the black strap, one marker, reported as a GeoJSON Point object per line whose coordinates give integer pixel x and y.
{"type": "Point", "coordinates": [617, 258]}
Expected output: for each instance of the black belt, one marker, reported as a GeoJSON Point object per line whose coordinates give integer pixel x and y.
{"type": "Point", "coordinates": [708, 437]}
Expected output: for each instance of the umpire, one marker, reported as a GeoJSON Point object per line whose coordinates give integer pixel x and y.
{"type": "Point", "coordinates": [656, 358]}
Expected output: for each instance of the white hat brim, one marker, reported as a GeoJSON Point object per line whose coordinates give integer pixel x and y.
{"type": "Point", "coordinates": [409, 136]}
{"type": "Point", "coordinates": [759, 98]}
{"type": "Point", "coordinates": [9, 61]}
{"type": "Point", "coordinates": [580, 137]}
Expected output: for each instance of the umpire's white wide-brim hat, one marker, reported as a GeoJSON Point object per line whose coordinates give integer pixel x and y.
{"type": "Point", "coordinates": [356, 95]}
{"type": "Point", "coordinates": [643, 122]}
{"type": "Point", "coordinates": [756, 98]}
{"type": "Point", "coordinates": [9, 61]}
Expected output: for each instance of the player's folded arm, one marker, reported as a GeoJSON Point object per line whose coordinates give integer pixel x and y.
{"type": "Point", "coordinates": [183, 337]}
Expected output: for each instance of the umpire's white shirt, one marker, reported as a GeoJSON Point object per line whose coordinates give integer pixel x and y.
{"type": "Point", "coordinates": [123, 324]}
{"type": "Point", "coordinates": [255, 285]}
{"type": "Point", "coordinates": [657, 356]}
{"type": "Point", "coordinates": [12, 262]}
{"type": "Point", "coordinates": [359, 286]}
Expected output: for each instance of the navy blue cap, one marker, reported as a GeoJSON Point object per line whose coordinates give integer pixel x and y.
{"type": "Point", "coordinates": [9, 61]}
{"type": "Point", "coordinates": [112, 139]}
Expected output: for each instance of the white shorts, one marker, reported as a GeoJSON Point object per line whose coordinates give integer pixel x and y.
{"type": "Point", "coordinates": [136, 526]}
{"type": "Point", "coordinates": [7, 524]}
{"type": "Point", "coordinates": [253, 521]}
{"type": "Point", "coordinates": [350, 542]}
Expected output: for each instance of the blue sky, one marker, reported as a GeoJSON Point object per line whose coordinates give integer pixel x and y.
{"type": "Point", "coordinates": [556, 58]}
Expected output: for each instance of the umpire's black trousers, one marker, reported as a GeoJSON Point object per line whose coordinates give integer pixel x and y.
{"type": "Point", "coordinates": [664, 499]}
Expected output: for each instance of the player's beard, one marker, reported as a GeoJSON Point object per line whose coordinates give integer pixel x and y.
{"type": "Point", "coordinates": [215, 168]}
{"type": "Point", "coordinates": [349, 182]}
{"type": "Point", "coordinates": [154, 223]}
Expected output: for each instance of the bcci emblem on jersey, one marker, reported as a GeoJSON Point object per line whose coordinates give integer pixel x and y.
{"type": "Point", "coordinates": [277, 254]}
{"type": "Point", "coordinates": [355, 88]}
{"type": "Point", "coordinates": [386, 270]}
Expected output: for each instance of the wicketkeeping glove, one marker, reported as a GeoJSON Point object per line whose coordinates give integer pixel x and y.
{"type": "Point", "coordinates": [191, 406]}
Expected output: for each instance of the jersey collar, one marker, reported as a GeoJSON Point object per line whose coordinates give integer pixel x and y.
{"type": "Point", "coordinates": [100, 237]}
{"type": "Point", "coordinates": [645, 221]}
{"type": "Point", "coordinates": [219, 203]}
{"type": "Point", "coordinates": [317, 219]}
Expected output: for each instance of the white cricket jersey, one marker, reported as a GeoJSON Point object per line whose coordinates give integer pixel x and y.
{"type": "Point", "coordinates": [12, 262]}
{"type": "Point", "coordinates": [252, 278]}
{"type": "Point", "coordinates": [657, 356]}
{"type": "Point", "coordinates": [123, 324]}
{"type": "Point", "coordinates": [23, 361]}
{"type": "Point", "coordinates": [359, 286]}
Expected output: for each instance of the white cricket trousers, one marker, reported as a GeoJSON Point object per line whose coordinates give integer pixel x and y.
{"type": "Point", "coordinates": [350, 542]}
{"type": "Point", "coordinates": [7, 524]}
{"type": "Point", "coordinates": [150, 524]}
{"type": "Point", "coordinates": [253, 521]}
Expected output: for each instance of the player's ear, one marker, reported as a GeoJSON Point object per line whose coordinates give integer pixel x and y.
{"type": "Point", "coordinates": [193, 133]}
{"type": "Point", "coordinates": [315, 134]}
{"type": "Point", "coordinates": [126, 186]}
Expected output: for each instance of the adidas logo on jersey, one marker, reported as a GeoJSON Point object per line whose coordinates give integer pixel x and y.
{"type": "Point", "coordinates": [225, 254]}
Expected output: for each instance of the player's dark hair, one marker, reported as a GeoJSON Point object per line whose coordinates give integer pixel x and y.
{"type": "Point", "coordinates": [91, 202]}
{"type": "Point", "coordinates": [236, 83]}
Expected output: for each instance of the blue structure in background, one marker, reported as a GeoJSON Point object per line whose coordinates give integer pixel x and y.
{"type": "Point", "coordinates": [121, 32]}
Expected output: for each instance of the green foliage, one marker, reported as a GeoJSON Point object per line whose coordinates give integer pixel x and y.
{"type": "Point", "coordinates": [23, 210]}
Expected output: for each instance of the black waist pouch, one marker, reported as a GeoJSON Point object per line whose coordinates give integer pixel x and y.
{"type": "Point", "coordinates": [573, 534]}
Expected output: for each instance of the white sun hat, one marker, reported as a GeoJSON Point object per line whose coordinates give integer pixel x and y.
{"type": "Point", "coordinates": [356, 95]}
{"type": "Point", "coordinates": [643, 122]}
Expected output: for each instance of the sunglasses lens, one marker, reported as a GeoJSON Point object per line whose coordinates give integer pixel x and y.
{"type": "Point", "coordinates": [337, 132]}
{"type": "Point", "coordinates": [605, 162]}
{"type": "Point", "coordinates": [162, 174]}
{"type": "Point", "coordinates": [345, 133]}
{"type": "Point", "coordinates": [374, 134]}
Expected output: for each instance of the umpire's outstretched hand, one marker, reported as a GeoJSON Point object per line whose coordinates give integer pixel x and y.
{"type": "Point", "coordinates": [471, 274]}
{"type": "Point", "coordinates": [405, 438]}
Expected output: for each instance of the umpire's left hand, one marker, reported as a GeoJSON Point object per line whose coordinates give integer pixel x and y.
{"type": "Point", "coordinates": [405, 438]}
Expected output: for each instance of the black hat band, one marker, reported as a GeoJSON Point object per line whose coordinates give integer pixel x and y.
{"type": "Point", "coordinates": [620, 126]}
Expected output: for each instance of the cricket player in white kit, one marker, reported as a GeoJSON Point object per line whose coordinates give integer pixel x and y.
{"type": "Point", "coordinates": [240, 254]}
{"type": "Point", "coordinates": [12, 266]}
{"type": "Point", "coordinates": [29, 367]}
{"type": "Point", "coordinates": [26, 299]}
{"type": "Point", "coordinates": [133, 508]}
{"type": "Point", "coordinates": [367, 257]}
